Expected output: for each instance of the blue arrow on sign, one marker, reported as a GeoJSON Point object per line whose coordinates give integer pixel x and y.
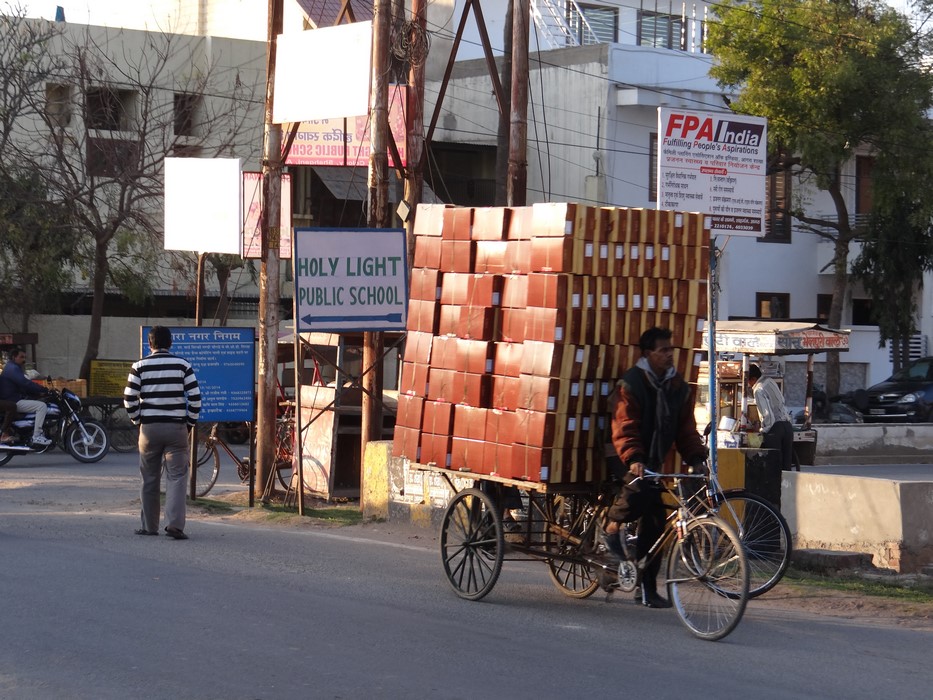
{"type": "Point", "coordinates": [388, 318]}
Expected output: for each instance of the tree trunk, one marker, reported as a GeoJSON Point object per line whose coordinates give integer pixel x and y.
{"type": "Point", "coordinates": [840, 285]}
{"type": "Point", "coordinates": [101, 270]}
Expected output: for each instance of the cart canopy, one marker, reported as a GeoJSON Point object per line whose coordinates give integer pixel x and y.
{"type": "Point", "coordinates": [777, 338]}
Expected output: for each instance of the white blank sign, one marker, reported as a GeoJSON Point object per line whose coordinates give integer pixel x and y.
{"type": "Point", "coordinates": [323, 73]}
{"type": "Point", "coordinates": [203, 205]}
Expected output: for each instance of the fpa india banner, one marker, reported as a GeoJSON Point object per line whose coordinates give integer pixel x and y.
{"type": "Point", "coordinates": [714, 163]}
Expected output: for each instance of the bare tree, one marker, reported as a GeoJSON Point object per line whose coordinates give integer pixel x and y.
{"type": "Point", "coordinates": [111, 106]}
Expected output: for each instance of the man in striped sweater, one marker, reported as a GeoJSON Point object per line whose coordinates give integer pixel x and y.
{"type": "Point", "coordinates": [162, 397]}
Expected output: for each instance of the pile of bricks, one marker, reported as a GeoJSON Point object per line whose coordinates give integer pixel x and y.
{"type": "Point", "coordinates": [522, 319]}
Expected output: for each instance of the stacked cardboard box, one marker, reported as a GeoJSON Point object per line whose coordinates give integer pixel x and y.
{"type": "Point", "coordinates": [522, 319]}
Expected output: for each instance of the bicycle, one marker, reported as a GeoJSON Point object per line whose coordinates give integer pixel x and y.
{"type": "Point", "coordinates": [207, 462]}
{"type": "Point", "coordinates": [124, 436]}
{"type": "Point", "coordinates": [707, 570]}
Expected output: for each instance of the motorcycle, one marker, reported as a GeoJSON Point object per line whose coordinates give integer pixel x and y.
{"type": "Point", "coordinates": [84, 439]}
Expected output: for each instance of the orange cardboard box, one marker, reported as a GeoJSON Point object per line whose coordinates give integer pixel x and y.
{"type": "Point", "coordinates": [430, 219]}
{"type": "Point", "coordinates": [515, 291]}
{"type": "Point", "coordinates": [458, 224]}
{"type": "Point", "coordinates": [474, 356]}
{"type": "Point", "coordinates": [478, 322]}
{"type": "Point", "coordinates": [435, 449]}
{"type": "Point", "coordinates": [414, 379]}
{"type": "Point", "coordinates": [422, 315]}
{"type": "Point", "coordinates": [553, 255]}
{"type": "Point", "coordinates": [427, 252]}
{"type": "Point", "coordinates": [497, 458]}
{"type": "Point", "coordinates": [512, 327]}
{"type": "Point", "coordinates": [508, 359]}
{"type": "Point", "coordinates": [448, 321]}
{"type": "Point", "coordinates": [471, 389]}
{"type": "Point", "coordinates": [521, 224]}
{"type": "Point", "coordinates": [467, 455]}
{"type": "Point", "coordinates": [505, 392]}
{"type": "Point", "coordinates": [406, 443]}
{"type": "Point", "coordinates": [491, 223]}
{"type": "Point", "coordinates": [518, 256]}
{"type": "Point", "coordinates": [457, 255]}
{"type": "Point", "coordinates": [410, 411]}
{"type": "Point", "coordinates": [441, 384]}
{"type": "Point", "coordinates": [491, 257]}
{"type": "Point", "coordinates": [425, 284]}
{"type": "Point", "coordinates": [554, 219]}
{"type": "Point", "coordinates": [438, 418]}
{"type": "Point", "coordinates": [500, 426]}
{"type": "Point", "coordinates": [418, 346]}
{"type": "Point", "coordinates": [470, 422]}
{"type": "Point", "coordinates": [444, 352]}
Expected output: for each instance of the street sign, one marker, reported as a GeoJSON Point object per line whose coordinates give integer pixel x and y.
{"type": "Point", "coordinates": [350, 279]}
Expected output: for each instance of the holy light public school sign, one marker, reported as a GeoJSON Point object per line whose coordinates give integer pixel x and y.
{"type": "Point", "coordinates": [350, 280]}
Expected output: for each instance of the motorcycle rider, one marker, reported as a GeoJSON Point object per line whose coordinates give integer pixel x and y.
{"type": "Point", "coordinates": [14, 386]}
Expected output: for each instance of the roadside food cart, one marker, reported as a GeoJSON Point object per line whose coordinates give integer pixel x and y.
{"type": "Point", "coordinates": [762, 341]}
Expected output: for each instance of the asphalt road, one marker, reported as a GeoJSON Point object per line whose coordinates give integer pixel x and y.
{"type": "Point", "coordinates": [253, 611]}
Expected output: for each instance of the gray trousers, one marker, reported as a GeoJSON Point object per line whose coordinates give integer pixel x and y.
{"type": "Point", "coordinates": [163, 444]}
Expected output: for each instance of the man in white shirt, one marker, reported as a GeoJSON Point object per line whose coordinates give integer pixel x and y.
{"type": "Point", "coordinates": [775, 421]}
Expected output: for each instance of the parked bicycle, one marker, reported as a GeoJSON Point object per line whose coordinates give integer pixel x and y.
{"type": "Point", "coordinates": [212, 441]}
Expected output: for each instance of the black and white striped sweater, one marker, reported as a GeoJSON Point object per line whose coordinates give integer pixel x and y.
{"type": "Point", "coordinates": [162, 388]}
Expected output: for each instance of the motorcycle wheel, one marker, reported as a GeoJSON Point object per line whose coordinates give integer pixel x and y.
{"type": "Point", "coordinates": [94, 449]}
{"type": "Point", "coordinates": [5, 457]}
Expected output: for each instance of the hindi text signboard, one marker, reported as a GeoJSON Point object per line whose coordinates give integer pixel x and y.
{"type": "Point", "coordinates": [714, 163]}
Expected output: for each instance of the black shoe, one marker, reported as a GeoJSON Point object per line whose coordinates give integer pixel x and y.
{"type": "Point", "coordinates": [143, 531]}
{"type": "Point", "coordinates": [650, 599]}
{"type": "Point", "coordinates": [175, 533]}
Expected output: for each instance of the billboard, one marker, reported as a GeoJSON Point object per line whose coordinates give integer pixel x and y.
{"type": "Point", "coordinates": [714, 163]}
{"type": "Point", "coordinates": [224, 360]}
{"type": "Point", "coordinates": [252, 209]}
{"type": "Point", "coordinates": [346, 141]}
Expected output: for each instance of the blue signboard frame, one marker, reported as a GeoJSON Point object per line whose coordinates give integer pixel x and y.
{"type": "Point", "coordinates": [224, 359]}
{"type": "Point", "coordinates": [349, 279]}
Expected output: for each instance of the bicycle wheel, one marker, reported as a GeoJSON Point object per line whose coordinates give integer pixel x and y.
{"type": "Point", "coordinates": [571, 521]}
{"type": "Point", "coordinates": [124, 436]}
{"type": "Point", "coordinates": [472, 544]}
{"type": "Point", "coordinates": [707, 578]}
{"type": "Point", "coordinates": [764, 533]}
{"type": "Point", "coordinates": [207, 463]}
{"type": "Point", "coordinates": [284, 452]}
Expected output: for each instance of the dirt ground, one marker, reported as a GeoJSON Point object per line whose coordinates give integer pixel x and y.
{"type": "Point", "coordinates": [790, 595]}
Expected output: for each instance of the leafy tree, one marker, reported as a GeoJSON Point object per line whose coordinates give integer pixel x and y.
{"type": "Point", "coordinates": [109, 106]}
{"type": "Point", "coordinates": [37, 243]}
{"type": "Point", "coordinates": [831, 76]}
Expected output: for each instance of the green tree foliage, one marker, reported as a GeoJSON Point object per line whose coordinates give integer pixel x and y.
{"type": "Point", "coordinates": [37, 249]}
{"type": "Point", "coordinates": [832, 77]}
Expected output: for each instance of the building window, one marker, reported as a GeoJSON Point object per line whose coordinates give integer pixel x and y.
{"type": "Point", "coordinates": [661, 31]}
{"type": "Point", "coordinates": [58, 104]}
{"type": "Point", "coordinates": [777, 203]}
{"type": "Point", "coordinates": [863, 186]}
{"type": "Point", "coordinates": [109, 109]}
{"type": "Point", "coordinates": [861, 313]}
{"type": "Point", "coordinates": [187, 108]}
{"type": "Point", "coordinates": [823, 304]}
{"type": "Point", "coordinates": [182, 151]}
{"type": "Point", "coordinates": [653, 168]}
{"type": "Point", "coordinates": [112, 157]}
{"type": "Point", "coordinates": [772, 305]}
{"type": "Point", "coordinates": [603, 23]}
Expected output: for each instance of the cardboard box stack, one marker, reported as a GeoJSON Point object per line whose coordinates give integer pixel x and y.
{"type": "Point", "coordinates": [522, 319]}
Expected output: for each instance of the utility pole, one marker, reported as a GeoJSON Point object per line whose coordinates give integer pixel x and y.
{"type": "Point", "coordinates": [378, 215]}
{"type": "Point", "coordinates": [269, 288]}
{"type": "Point", "coordinates": [414, 178]}
{"type": "Point", "coordinates": [502, 135]}
{"type": "Point", "coordinates": [517, 186]}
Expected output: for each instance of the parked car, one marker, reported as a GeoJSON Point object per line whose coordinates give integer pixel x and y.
{"type": "Point", "coordinates": [904, 397]}
{"type": "Point", "coordinates": [837, 413]}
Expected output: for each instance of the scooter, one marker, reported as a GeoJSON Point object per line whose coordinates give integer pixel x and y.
{"type": "Point", "coordinates": [84, 439]}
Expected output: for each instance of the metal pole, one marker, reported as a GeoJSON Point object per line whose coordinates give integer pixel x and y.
{"type": "Point", "coordinates": [269, 289]}
{"type": "Point", "coordinates": [414, 179]}
{"type": "Point", "coordinates": [712, 310]}
{"type": "Point", "coordinates": [193, 433]}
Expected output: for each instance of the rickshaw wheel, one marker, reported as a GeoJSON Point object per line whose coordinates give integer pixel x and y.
{"type": "Point", "coordinates": [570, 517]}
{"type": "Point", "coordinates": [472, 544]}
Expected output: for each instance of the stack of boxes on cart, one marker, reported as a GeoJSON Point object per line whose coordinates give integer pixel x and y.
{"type": "Point", "coordinates": [522, 319]}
